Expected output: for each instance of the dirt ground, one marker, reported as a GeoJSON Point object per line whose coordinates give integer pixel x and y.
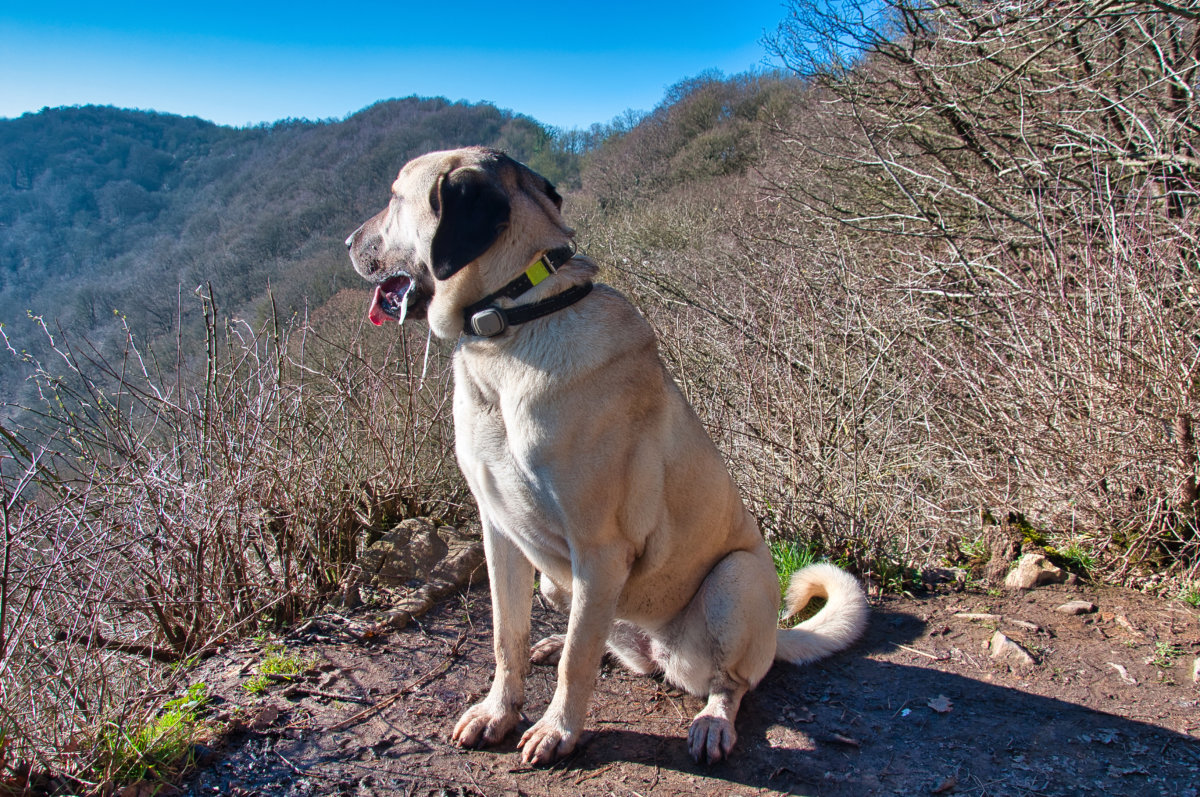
{"type": "Point", "coordinates": [1107, 707]}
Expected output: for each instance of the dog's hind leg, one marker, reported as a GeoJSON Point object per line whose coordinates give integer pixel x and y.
{"type": "Point", "coordinates": [548, 650]}
{"type": "Point", "coordinates": [511, 578]}
{"type": "Point", "coordinates": [626, 642]}
{"type": "Point", "coordinates": [723, 645]}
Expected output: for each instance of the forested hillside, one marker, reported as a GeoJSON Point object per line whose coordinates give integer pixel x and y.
{"type": "Point", "coordinates": [107, 210]}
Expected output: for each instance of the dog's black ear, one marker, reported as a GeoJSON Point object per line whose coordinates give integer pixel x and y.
{"type": "Point", "coordinates": [552, 193]}
{"type": "Point", "coordinates": [472, 210]}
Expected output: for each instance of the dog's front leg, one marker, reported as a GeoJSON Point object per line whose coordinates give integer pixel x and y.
{"type": "Point", "coordinates": [511, 578]}
{"type": "Point", "coordinates": [598, 577]}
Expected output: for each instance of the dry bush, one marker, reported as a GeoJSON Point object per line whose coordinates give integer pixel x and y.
{"type": "Point", "coordinates": [773, 336]}
{"type": "Point", "coordinates": [778, 349]}
{"type": "Point", "coordinates": [149, 517]}
{"type": "Point", "coordinates": [961, 282]}
{"type": "Point", "coordinates": [1020, 182]}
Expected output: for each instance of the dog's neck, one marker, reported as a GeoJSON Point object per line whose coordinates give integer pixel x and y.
{"type": "Point", "coordinates": [486, 319]}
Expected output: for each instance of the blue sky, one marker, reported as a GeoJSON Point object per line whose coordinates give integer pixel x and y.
{"type": "Point", "coordinates": [237, 63]}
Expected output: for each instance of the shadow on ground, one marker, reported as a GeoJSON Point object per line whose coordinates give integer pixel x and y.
{"type": "Point", "coordinates": [897, 714]}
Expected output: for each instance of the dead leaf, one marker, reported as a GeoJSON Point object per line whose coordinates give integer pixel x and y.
{"type": "Point", "coordinates": [947, 785]}
{"type": "Point", "coordinates": [265, 718]}
{"type": "Point", "coordinates": [801, 714]}
{"type": "Point", "coordinates": [941, 704]}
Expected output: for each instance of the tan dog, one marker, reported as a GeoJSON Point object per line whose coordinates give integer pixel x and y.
{"type": "Point", "coordinates": [586, 461]}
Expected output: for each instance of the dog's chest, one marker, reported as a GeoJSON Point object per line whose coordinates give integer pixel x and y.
{"type": "Point", "coordinates": [504, 445]}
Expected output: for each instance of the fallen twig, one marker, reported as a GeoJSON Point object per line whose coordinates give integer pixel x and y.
{"type": "Point", "coordinates": [408, 688]}
{"type": "Point", "coordinates": [940, 657]}
{"type": "Point", "coordinates": [94, 639]}
{"type": "Point", "coordinates": [304, 691]}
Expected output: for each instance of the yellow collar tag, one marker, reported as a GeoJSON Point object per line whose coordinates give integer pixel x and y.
{"type": "Point", "coordinates": [537, 271]}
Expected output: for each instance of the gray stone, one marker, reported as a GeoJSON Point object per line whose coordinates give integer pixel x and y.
{"type": "Point", "coordinates": [1034, 570]}
{"type": "Point", "coordinates": [1028, 626]}
{"type": "Point", "coordinates": [1008, 652]}
{"type": "Point", "coordinates": [1076, 607]}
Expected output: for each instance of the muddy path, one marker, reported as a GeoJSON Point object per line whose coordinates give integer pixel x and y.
{"type": "Point", "coordinates": [1104, 704]}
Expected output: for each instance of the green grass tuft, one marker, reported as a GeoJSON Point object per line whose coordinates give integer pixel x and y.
{"type": "Point", "coordinates": [790, 556]}
{"type": "Point", "coordinates": [1165, 654]}
{"type": "Point", "coordinates": [157, 750]}
{"type": "Point", "coordinates": [278, 663]}
{"type": "Point", "coordinates": [1078, 559]}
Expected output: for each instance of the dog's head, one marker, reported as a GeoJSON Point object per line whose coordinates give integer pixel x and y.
{"type": "Point", "coordinates": [460, 224]}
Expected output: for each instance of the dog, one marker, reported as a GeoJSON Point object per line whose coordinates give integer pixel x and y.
{"type": "Point", "coordinates": [587, 463]}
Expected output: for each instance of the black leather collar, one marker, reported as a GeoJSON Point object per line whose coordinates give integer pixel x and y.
{"type": "Point", "coordinates": [485, 320]}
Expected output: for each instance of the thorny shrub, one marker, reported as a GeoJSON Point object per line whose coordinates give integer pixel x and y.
{"type": "Point", "coordinates": [960, 283]}
{"type": "Point", "coordinates": [149, 515]}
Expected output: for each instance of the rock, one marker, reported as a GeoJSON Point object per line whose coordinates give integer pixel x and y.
{"type": "Point", "coordinates": [415, 553]}
{"type": "Point", "coordinates": [432, 562]}
{"type": "Point", "coordinates": [411, 549]}
{"type": "Point", "coordinates": [1009, 652]}
{"type": "Point", "coordinates": [265, 718]}
{"type": "Point", "coordinates": [1076, 607]}
{"type": "Point", "coordinates": [944, 575]}
{"type": "Point", "coordinates": [464, 564]}
{"type": "Point", "coordinates": [1034, 570]}
{"type": "Point", "coordinates": [399, 618]}
{"type": "Point", "coordinates": [1123, 621]}
{"type": "Point", "coordinates": [977, 616]}
{"type": "Point", "coordinates": [350, 597]}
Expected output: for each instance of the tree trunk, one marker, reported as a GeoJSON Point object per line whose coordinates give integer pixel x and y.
{"type": "Point", "coordinates": [1188, 459]}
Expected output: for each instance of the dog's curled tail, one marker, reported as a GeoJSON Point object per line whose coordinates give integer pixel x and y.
{"type": "Point", "coordinates": [840, 621]}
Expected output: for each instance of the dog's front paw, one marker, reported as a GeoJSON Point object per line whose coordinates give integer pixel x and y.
{"type": "Point", "coordinates": [484, 723]}
{"type": "Point", "coordinates": [547, 741]}
{"type": "Point", "coordinates": [710, 738]}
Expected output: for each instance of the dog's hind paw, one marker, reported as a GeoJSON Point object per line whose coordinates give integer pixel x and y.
{"type": "Point", "coordinates": [710, 738]}
{"type": "Point", "coordinates": [547, 651]}
{"type": "Point", "coordinates": [484, 724]}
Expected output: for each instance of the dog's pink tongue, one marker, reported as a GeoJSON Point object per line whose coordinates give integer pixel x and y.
{"type": "Point", "coordinates": [390, 300]}
{"type": "Point", "coordinates": [375, 312]}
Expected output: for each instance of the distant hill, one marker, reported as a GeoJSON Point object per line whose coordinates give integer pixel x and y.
{"type": "Point", "coordinates": [105, 210]}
